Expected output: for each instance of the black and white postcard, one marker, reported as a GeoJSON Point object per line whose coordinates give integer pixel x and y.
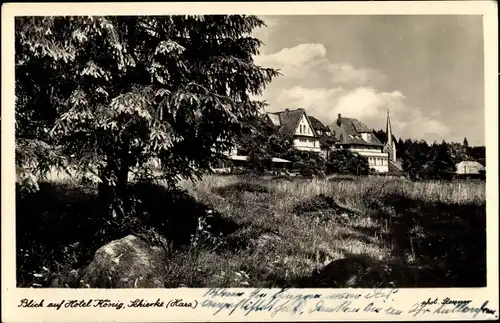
{"type": "Point", "coordinates": [249, 161]}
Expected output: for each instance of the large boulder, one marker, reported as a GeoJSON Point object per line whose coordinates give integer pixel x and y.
{"type": "Point", "coordinates": [128, 262]}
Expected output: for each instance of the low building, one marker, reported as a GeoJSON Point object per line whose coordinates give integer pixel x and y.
{"type": "Point", "coordinates": [233, 161]}
{"type": "Point", "coordinates": [470, 168]}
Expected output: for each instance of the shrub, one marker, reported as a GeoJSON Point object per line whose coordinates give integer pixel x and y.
{"type": "Point", "coordinates": [281, 177]}
{"type": "Point", "coordinates": [307, 163]}
{"type": "Point", "coordinates": [240, 187]}
{"type": "Point", "coordinates": [343, 161]}
{"type": "Point", "coordinates": [316, 203]}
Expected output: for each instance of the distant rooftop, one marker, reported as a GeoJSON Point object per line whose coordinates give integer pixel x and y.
{"type": "Point", "coordinates": [287, 120]}
{"type": "Point", "coordinates": [318, 125]}
{"type": "Point", "coordinates": [469, 167]}
{"type": "Point", "coordinates": [350, 130]}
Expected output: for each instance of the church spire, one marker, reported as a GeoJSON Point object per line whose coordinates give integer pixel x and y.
{"type": "Point", "coordinates": [388, 130]}
{"type": "Point", "coordinates": [391, 145]}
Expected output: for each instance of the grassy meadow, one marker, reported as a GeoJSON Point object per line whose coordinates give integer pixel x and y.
{"type": "Point", "coordinates": [237, 231]}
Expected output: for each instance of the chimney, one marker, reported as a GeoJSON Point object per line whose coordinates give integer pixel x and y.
{"type": "Point", "coordinates": [338, 119]}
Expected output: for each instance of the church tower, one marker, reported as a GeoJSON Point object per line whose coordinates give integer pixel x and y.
{"type": "Point", "coordinates": [390, 146]}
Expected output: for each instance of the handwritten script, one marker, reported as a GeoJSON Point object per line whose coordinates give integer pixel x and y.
{"type": "Point", "coordinates": [221, 301]}
{"type": "Point", "coordinates": [291, 301]}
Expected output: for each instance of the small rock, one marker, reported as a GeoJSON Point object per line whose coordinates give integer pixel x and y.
{"type": "Point", "coordinates": [127, 263]}
{"type": "Point", "coordinates": [69, 279]}
{"type": "Point", "coordinates": [344, 272]}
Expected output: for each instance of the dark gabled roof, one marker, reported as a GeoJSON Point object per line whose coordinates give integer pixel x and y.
{"type": "Point", "coordinates": [326, 141]}
{"type": "Point", "coordinates": [289, 119]}
{"type": "Point", "coordinates": [359, 126]}
{"type": "Point", "coordinates": [274, 118]}
{"type": "Point", "coordinates": [348, 131]}
{"type": "Point", "coordinates": [318, 125]}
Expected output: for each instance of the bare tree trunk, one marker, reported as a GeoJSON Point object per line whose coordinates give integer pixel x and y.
{"type": "Point", "coordinates": [108, 193]}
{"type": "Point", "coordinates": [112, 191]}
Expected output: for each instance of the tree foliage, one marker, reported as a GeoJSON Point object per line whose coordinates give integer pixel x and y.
{"type": "Point", "coordinates": [436, 161]}
{"type": "Point", "coordinates": [441, 164]}
{"type": "Point", "coordinates": [382, 136]}
{"type": "Point", "coordinates": [414, 155]}
{"type": "Point", "coordinates": [306, 163]}
{"type": "Point", "coordinates": [458, 152]}
{"type": "Point", "coordinates": [261, 141]}
{"type": "Point", "coordinates": [344, 161]}
{"type": "Point", "coordinates": [477, 153]}
{"type": "Point", "coordinates": [109, 94]}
